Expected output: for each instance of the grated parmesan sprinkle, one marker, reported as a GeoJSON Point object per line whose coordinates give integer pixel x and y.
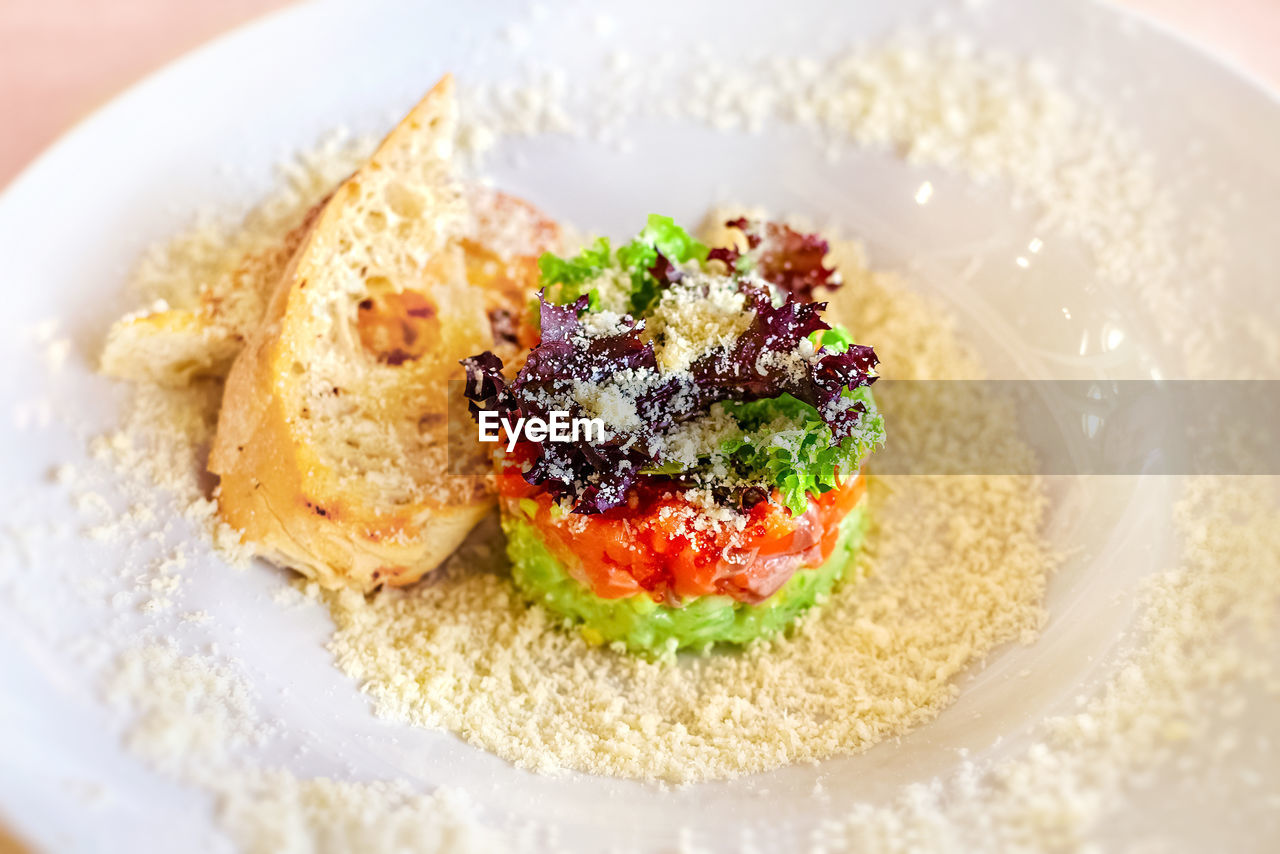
{"type": "Point", "coordinates": [700, 314]}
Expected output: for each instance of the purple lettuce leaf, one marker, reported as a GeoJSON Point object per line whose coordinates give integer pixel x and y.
{"type": "Point", "coordinates": [781, 255]}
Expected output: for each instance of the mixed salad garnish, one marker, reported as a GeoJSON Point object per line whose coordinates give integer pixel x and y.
{"type": "Point", "coordinates": [712, 369]}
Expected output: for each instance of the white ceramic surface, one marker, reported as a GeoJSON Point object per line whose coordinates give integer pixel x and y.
{"type": "Point", "coordinates": [206, 131]}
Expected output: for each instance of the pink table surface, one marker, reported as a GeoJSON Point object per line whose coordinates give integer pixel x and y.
{"type": "Point", "coordinates": [59, 59]}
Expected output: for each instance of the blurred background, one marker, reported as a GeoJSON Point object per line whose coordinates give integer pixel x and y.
{"type": "Point", "coordinates": [59, 59]}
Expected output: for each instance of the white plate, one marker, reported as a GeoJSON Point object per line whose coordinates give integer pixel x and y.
{"type": "Point", "coordinates": [206, 132]}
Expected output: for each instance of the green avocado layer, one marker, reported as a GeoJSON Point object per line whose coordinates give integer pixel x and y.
{"type": "Point", "coordinates": [648, 627]}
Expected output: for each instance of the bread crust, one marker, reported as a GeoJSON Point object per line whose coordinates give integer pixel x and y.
{"type": "Point", "coordinates": [331, 438]}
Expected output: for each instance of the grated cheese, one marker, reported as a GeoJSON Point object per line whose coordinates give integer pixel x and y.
{"type": "Point", "coordinates": [698, 315]}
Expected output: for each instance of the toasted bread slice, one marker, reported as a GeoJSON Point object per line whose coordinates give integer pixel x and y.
{"type": "Point", "coordinates": [331, 440]}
